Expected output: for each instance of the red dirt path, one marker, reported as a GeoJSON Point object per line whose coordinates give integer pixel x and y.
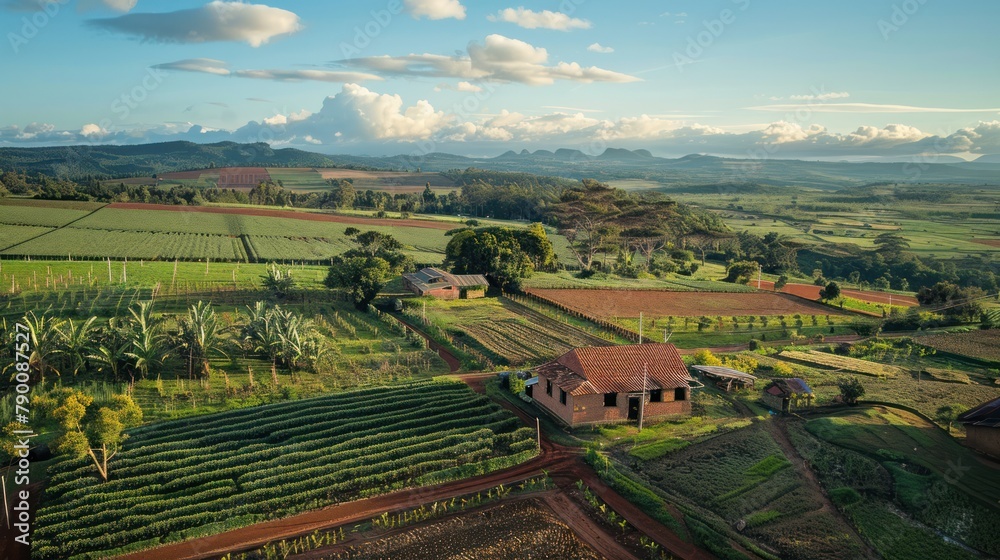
{"type": "Point", "coordinates": [310, 216]}
{"type": "Point", "coordinates": [810, 291]}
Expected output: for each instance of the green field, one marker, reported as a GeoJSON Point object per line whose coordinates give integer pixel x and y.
{"type": "Point", "coordinates": [201, 476]}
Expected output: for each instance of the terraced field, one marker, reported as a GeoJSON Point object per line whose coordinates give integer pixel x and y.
{"type": "Point", "coordinates": [217, 472]}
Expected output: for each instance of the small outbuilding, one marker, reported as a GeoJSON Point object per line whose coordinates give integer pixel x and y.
{"type": "Point", "coordinates": [437, 283]}
{"type": "Point", "coordinates": [725, 377]}
{"type": "Point", "coordinates": [786, 395]}
{"type": "Point", "coordinates": [982, 428]}
{"type": "Point", "coordinates": [614, 384]}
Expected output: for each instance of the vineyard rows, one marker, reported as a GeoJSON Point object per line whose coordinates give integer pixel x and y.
{"type": "Point", "coordinates": [245, 465]}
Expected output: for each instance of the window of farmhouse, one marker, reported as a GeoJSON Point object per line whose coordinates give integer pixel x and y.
{"type": "Point", "coordinates": [610, 399]}
{"type": "Point", "coordinates": [548, 387]}
{"type": "Point", "coordinates": [562, 396]}
{"type": "Point", "coordinates": [680, 394]}
{"type": "Point", "coordinates": [656, 395]}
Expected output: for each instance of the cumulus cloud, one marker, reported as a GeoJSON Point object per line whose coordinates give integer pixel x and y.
{"type": "Point", "coordinates": [499, 58]}
{"type": "Point", "coordinates": [599, 48]}
{"type": "Point", "coordinates": [220, 68]}
{"type": "Point", "coordinates": [254, 24]}
{"type": "Point", "coordinates": [546, 19]}
{"type": "Point", "coordinates": [435, 9]}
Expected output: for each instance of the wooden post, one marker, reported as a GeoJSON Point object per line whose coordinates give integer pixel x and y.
{"type": "Point", "coordinates": [538, 432]}
{"type": "Point", "coordinates": [642, 397]}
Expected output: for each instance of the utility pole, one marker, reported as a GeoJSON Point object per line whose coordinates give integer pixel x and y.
{"type": "Point", "coordinates": [760, 270]}
{"type": "Point", "coordinates": [538, 432]}
{"type": "Point", "coordinates": [640, 327]}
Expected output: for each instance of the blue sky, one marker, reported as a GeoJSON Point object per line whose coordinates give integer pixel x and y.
{"type": "Point", "coordinates": [855, 79]}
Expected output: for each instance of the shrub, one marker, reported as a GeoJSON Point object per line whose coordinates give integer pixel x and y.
{"type": "Point", "coordinates": [705, 357]}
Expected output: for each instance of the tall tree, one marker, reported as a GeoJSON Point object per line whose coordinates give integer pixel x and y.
{"type": "Point", "coordinates": [43, 332]}
{"type": "Point", "coordinates": [75, 343]}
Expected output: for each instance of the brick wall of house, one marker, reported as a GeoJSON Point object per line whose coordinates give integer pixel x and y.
{"type": "Point", "coordinates": [563, 411]}
{"type": "Point", "coordinates": [590, 409]}
{"type": "Point", "coordinates": [983, 439]}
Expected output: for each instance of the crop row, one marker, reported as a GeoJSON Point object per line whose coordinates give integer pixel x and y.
{"type": "Point", "coordinates": [433, 432]}
{"type": "Point", "coordinates": [175, 474]}
{"type": "Point", "coordinates": [843, 363]}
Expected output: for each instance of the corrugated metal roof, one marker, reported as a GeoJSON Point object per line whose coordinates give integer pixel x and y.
{"type": "Point", "coordinates": [617, 369]}
{"type": "Point", "coordinates": [435, 279]}
{"type": "Point", "coordinates": [787, 387]}
{"type": "Point", "coordinates": [720, 371]}
{"type": "Point", "coordinates": [986, 414]}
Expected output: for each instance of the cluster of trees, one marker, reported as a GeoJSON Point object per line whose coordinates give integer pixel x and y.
{"type": "Point", "coordinates": [954, 301]}
{"type": "Point", "coordinates": [367, 267]}
{"type": "Point", "coordinates": [505, 255]}
{"type": "Point", "coordinates": [891, 265]}
{"type": "Point", "coordinates": [599, 220]}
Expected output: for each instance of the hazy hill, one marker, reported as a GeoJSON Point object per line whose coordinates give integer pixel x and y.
{"type": "Point", "coordinates": [613, 164]}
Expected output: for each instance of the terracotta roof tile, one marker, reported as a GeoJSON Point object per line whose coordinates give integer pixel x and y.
{"type": "Point", "coordinates": [617, 369]}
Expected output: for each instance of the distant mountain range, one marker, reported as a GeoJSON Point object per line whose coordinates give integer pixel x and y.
{"type": "Point", "coordinates": [611, 165]}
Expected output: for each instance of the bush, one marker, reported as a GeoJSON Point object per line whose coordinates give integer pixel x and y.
{"type": "Point", "coordinates": [705, 357]}
{"type": "Point", "coordinates": [844, 496]}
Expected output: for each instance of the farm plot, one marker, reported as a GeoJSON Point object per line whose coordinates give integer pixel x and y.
{"type": "Point", "coordinates": [980, 345]}
{"type": "Point", "coordinates": [12, 235]}
{"type": "Point", "coordinates": [842, 363]}
{"type": "Point", "coordinates": [80, 242]}
{"type": "Point", "coordinates": [31, 215]}
{"type": "Point", "coordinates": [627, 303]}
{"type": "Point", "coordinates": [523, 529]}
{"type": "Point", "coordinates": [744, 475]}
{"type": "Point", "coordinates": [217, 472]}
{"type": "Point", "coordinates": [512, 333]}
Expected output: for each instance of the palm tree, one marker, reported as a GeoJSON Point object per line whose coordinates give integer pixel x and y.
{"type": "Point", "coordinates": [43, 331]}
{"type": "Point", "coordinates": [200, 332]}
{"type": "Point", "coordinates": [147, 348]}
{"type": "Point", "coordinates": [113, 348]}
{"type": "Point", "coordinates": [75, 342]}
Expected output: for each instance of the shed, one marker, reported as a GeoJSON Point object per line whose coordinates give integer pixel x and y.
{"type": "Point", "coordinates": [785, 395]}
{"type": "Point", "coordinates": [727, 376]}
{"type": "Point", "coordinates": [982, 428]}
{"type": "Point", "coordinates": [445, 285]}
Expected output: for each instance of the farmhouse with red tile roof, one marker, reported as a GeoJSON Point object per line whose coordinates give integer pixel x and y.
{"type": "Point", "coordinates": [606, 384]}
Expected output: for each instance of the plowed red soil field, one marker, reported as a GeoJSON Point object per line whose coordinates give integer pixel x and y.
{"type": "Point", "coordinates": [312, 216]}
{"type": "Point", "coordinates": [810, 291]}
{"type": "Point", "coordinates": [624, 303]}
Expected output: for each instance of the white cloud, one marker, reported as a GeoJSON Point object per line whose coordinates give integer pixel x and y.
{"type": "Point", "coordinates": [821, 96]}
{"type": "Point", "coordinates": [546, 19]}
{"type": "Point", "coordinates": [254, 24]}
{"type": "Point", "coordinates": [467, 87]}
{"type": "Point", "coordinates": [220, 68]}
{"type": "Point", "coordinates": [435, 9]}
{"type": "Point", "coordinates": [499, 59]}
{"type": "Point", "coordinates": [599, 48]}
{"type": "Point", "coordinates": [93, 131]}
{"type": "Point", "coordinates": [310, 140]}
{"type": "Point", "coordinates": [203, 65]}
{"type": "Point", "coordinates": [863, 108]}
